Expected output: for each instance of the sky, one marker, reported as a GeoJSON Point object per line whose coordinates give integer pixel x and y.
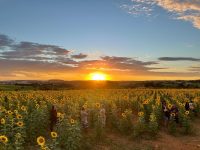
{"type": "Point", "coordinates": [125, 39]}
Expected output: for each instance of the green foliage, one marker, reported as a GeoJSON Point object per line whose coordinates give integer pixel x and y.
{"type": "Point", "coordinates": [136, 112]}
{"type": "Point", "coordinates": [140, 127]}
{"type": "Point", "coordinates": [69, 134]}
{"type": "Point", "coordinates": [126, 122]}
{"type": "Point", "coordinates": [186, 125]}
{"type": "Point", "coordinates": [153, 125]}
{"type": "Point", "coordinates": [172, 126]}
{"type": "Point", "coordinates": [99, 131]}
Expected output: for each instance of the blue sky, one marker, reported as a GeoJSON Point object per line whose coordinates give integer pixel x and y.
{"type": "Point", "coordinates": [138, 29]}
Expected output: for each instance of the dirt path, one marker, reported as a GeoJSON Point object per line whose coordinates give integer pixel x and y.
{"type": "Point", "coordinates": [169, 142]}
{"type": "Point", "coordinates": [164, 141]}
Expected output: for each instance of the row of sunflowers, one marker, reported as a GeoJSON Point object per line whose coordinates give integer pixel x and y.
{"type": "Point", "coordinates": [25, 116]}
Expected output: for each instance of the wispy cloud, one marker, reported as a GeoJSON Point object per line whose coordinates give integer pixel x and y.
{"type": "Point", "coordinates": [114, 63]}
{"type": "Point", "coordinates": [5, 40]}
{"type": "Point", "coordinates": [187, 10]}
{"type": "Point", "coordinates": [138, 7]}
{"type": "Point", "coordinates": [195, 19]}
{"type": "Point", "coordinates": [194, 69]}
{"type": "Point", "coordinates": [33, 51]}
{"type": "Point", "coordinates": [178, 59]}
{"type": "Point", "coordinates": [79, 56]}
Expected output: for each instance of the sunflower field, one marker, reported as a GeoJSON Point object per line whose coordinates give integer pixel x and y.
{"type": "Point", "coordinates": [25, 116]}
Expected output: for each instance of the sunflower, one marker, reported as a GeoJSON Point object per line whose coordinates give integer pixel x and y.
{"type": "Point", "coordinates": [19, 116]}
{"type": "Point", "coordinates": [98, 105]}
{"type": "Point", "coordinates": [123, 115]}
{"type": "Point", "coordinates": [15, 111]}
{"type": "Point", "coordinates": [20, 123]}
{"type": "Point", "coordinates": [140, 114]}
{"type": "Point", "coordinates": [41, 140]}
{"type": "Point", "coordinates": [23, 108]}
{"type": "Point", "coordinates": [54, 135]}
{"type": "Point", "coordinates": [59, 114]}
{"type": "Point", "coordinates": [9, 112]}
{"type": "Point", "coordinates": [72, 121]}
{"type": "Point", "coordinates": [62, 116]}
{"type": "Point", "coordinates": [3, 121]}
{"type": "Point", "coordinates": [187, 112]}
{"type": "Point", "coordinates": [145, 102]}
{"type": "Point", "coordinates": [169, 106]}
{"type": "Point", "coordinates": [173, 114]}
{"type": "Point", "coordinates": [3, 139]}
{"type": "Point", "coordinates": [126, 97]}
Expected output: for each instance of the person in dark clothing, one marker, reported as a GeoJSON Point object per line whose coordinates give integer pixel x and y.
{"type": "Point", "coordinates": [166, 113]}
{"type": "Point", "coordinates": [6, 104]}
{"type": "Point", "coordinates": [174, 112]}
{"type": "Point", "coordinates": [53, 117]}
{"type": "Point", "coordinates": [187, 106]}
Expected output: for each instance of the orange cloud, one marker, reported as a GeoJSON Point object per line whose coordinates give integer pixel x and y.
{"type": "Point", "coordinates": [187, 10]}
{"type": "Point", "coordinates": [179, 5]}
{"type": "Point", "coordinates": [27, 60]}
{"type": "Point", "coordinates": [194, 19]}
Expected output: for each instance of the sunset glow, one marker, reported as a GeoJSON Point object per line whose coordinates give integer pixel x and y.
{"type": "Point", "coordinates": [98, 76]}
{"type": "Point", "coordinates": [94, 40]}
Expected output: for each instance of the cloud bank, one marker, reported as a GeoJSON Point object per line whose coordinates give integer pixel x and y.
{"type": "Point", "coordinates": [178, 59]}
{"type": "Point", "coordinates": [187, 10]}
{"type": "Point", "coordinates": [34, 60]}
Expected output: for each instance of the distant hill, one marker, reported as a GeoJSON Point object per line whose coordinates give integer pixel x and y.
{"type": "Point", "coordinates": [56, 84]}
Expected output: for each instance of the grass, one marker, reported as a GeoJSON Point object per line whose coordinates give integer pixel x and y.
{"type": "Point", "coordinates": [14, 87]}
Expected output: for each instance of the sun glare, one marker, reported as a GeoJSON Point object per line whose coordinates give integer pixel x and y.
{"type": "Point", "coordinates": [98, 76]}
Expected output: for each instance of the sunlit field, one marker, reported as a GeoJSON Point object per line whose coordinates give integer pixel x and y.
{"type": "Point", "coordinates": [25, 118]}
{"type": "Point", "coordinates": [99, 75]}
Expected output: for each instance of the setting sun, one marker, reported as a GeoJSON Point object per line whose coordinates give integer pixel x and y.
{"type": "Point", "coordinates": [98, 76]}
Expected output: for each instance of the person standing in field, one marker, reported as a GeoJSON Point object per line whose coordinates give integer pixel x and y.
{"type": "Point", "coordinates": [102, 115]}
{"type": "Point", "coordinates": [191, 105]}
{"type": "Point", "coordinates": [187, 106]}
{"type": "Point", "coordinates": [174, 111]}
{"type": "Point", "coordinates": [6, 104]}
{"type": "Point", "coordinates": [53, 117]}
{"type": "Point", "coordinates": [84, 118]}
{"type": "Point", "coordinates": [166, 113]}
